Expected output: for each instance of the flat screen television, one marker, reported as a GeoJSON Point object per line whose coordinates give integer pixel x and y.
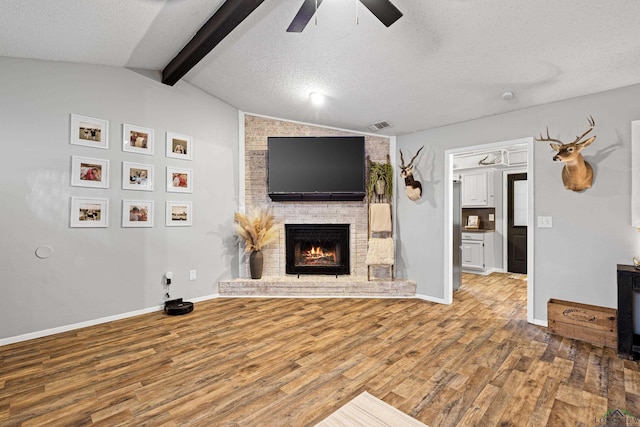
{"type": "Point", "coordinates": [326, 168]}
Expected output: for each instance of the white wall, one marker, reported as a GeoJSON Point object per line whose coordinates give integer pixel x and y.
{"type": "Point", "coordinates": [95, 273]}
{"type": "Point", "coordinates": [576, 259]}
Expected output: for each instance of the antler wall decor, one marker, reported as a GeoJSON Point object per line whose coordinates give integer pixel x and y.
{"type": "Point", "coordinates": [577, 174]}
{"type": "Point", "coordinates": [413, 187]}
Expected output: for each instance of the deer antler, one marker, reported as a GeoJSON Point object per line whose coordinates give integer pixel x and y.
{"type": "Point", "coordinates": [401, 159]}
{"type": "Point", "coordinates": [592, 124]}
{"type": "Point", "coordinates": [548, 138]}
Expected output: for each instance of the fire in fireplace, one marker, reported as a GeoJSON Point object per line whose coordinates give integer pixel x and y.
{"type": "Point", "coordinates": [317, 255]}
{"type": "Point", "coordinates": [317, 248]}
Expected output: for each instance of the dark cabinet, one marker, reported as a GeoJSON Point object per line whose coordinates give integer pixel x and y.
{"type": "Point", "coordinates": [628, 284]}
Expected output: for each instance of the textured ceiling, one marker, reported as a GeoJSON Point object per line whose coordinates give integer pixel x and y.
{"type": "Point", "coordinates": [443, 62]}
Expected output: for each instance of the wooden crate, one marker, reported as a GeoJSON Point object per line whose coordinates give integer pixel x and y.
{"type": "Point", "coordinates": [590, 323]}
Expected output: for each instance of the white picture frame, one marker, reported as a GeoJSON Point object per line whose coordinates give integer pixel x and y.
{"type": "Point", "coordinates": [137, 176]}
{"type": "Point", "coordinates": [89, 131]}
{"type": "Point", "coordinates": [179, 214]}
{"type": "Point", "coordinates": [137, 213]}
{"type": "Point", "coordinates": [89, 172]}
{"type": "Point", "coordinates": [179, 146]}
{"type": "Point", "coordinates": [89, 212]}
{"type": "Point", "coordinates": [179, 180]}
{"type": "Point", "coordinates": [137, 139]}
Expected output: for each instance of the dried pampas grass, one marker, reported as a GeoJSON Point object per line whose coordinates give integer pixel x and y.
{"type": "Point", "coordinates": [257, 230]}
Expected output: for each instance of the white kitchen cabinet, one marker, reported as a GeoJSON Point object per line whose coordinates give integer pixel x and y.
{"type": "Point", "coordinates": [477, 189]}
{"type": "Point", "coordinates": [477, 251]}
{"type": "Point", "coordinates": [472, 255]}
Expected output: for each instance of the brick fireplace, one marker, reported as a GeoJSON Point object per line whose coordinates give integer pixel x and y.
{"type": "Point", "coordinates": [276, 281]}
{"type": "Point", "coordinates": [354, 213]}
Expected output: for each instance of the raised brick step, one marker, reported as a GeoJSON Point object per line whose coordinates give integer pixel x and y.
{"type": "Point", "coordinates": [316, 286]}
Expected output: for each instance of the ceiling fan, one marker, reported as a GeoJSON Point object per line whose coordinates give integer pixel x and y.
{"type": "Point", "coordinates": [384, 10]}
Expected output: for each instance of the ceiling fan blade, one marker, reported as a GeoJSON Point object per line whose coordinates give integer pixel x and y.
{"type": "Point", "coordinates": [384, 10]}
{"type": "Point", "coordinates": [303, 16]}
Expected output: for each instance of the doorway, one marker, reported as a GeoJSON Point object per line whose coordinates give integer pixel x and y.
{"type": "Point", "coordinates": [450, 176]}
{"type": "Point", "coordinates": [516, 223]}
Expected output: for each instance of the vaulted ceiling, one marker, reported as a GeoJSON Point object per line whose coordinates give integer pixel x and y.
{"type": "Point", "coordinates": [442, 62]}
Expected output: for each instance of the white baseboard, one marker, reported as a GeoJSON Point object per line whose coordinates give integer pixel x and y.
{"type": "Point", "coordinates": [432, 299]}
{"type": "Point", "coordinates": [483, 272]}
{"type": "Point", "coordinates": [204, 298]}
{"type": "Point", "coordinates": [539, 322]}
{"type": "Point", "coordinates": [66, 328]}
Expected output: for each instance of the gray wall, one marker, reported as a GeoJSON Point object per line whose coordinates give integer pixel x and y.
{"type": "Point", "coordinates": [99, 272]}
{"type": "Point", "coordinates": [576, 259]}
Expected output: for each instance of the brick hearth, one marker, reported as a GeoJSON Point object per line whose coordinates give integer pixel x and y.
{"type": "Point", "coordinates": [317, 286]}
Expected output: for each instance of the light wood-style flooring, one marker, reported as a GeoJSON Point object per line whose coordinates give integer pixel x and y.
{"type": "Point", "coordinates": [292, 362]}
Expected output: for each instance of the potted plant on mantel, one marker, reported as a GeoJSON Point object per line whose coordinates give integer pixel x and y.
{"type": "Point", "coordinates": [257, 230]}
{"type": "Point", "coordinates": [380, 182]}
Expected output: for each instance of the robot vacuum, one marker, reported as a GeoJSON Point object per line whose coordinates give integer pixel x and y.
{"type": "Point", "coordinates": [177, 307]}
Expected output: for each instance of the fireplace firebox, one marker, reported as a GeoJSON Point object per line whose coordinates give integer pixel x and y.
{"type": "Point", "coordinates": [317, 249]}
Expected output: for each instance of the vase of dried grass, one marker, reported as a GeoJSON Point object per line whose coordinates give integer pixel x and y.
{"type": "Point", "coordinates": [256, 262]}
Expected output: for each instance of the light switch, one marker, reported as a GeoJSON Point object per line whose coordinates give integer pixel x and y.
{"type": "Point", "coordinates": [192, 275]}
{"type": "Point", "coordinates": [545, 222]}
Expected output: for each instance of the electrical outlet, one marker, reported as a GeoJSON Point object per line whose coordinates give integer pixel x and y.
{"type": "Point", "coordinates": [192, 275]}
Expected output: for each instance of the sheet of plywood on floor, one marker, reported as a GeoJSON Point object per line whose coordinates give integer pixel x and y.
{"type": "Point", "coordinates": [255, 362]}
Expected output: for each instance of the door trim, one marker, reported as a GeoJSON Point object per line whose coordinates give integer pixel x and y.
{"type": "Point", "coordinates": [448, 220]}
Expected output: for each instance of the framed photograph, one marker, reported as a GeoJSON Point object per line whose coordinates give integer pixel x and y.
{"type": "Point", "coordinates": [179, 146]}
{"type": "Point", "coordinates": [89, 212]}
{"type": "Point", "coordinates": [137, 213]}
{"type": "Point", "coordinates": [179, 214]}
{"type": "Point", "coordinates": [87, 172]}
{"type": "Point", "coordinates": [137, 176]}
{"type": "Point", "coordinates": [179, 180]}
{"type": "Point", "coordinates": [137, 139]}
{"type": "Point", "coordinates": [89, 132]}
{"type": "Point", "coordinates": [473, 221]}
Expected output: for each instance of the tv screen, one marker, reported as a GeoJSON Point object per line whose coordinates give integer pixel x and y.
{"type": "Point", "coordinates": [316, 168]}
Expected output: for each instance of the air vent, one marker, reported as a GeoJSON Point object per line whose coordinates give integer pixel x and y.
{"type": "Point", "coordinates": [378, 126]}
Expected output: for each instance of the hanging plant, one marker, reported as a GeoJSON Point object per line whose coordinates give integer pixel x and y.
{"type": "Point", "coordinates": [380, 183]}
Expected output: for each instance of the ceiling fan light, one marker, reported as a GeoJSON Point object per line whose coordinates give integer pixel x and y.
{"type": "Point", "coordinates": [316, 98]}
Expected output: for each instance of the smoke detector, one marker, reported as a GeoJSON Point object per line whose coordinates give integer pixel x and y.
{"type": "Point", "coordinates": [508, 96]}
{"type": "Point", "coordinates": [378, 126]}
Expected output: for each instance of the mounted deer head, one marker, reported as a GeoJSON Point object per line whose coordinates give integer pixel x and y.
{"type": "Point", "coordinates": [577, 174]}
{"type": "Point", "coordinates": [413, 187]}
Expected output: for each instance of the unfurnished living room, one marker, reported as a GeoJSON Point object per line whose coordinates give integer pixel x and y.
{"type": "Point", "coordinates": [308, 212]}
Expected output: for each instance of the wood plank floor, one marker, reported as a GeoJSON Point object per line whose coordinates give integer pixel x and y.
{"type": "Point", "coordinates": [292, 362]}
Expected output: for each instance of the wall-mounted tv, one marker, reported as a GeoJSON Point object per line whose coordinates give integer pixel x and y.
{"type": "Point", "coordinates": [326, 168]}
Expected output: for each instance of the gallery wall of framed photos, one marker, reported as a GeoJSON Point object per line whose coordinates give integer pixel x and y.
{"type": "Point", "coordinates": [138, 173]}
